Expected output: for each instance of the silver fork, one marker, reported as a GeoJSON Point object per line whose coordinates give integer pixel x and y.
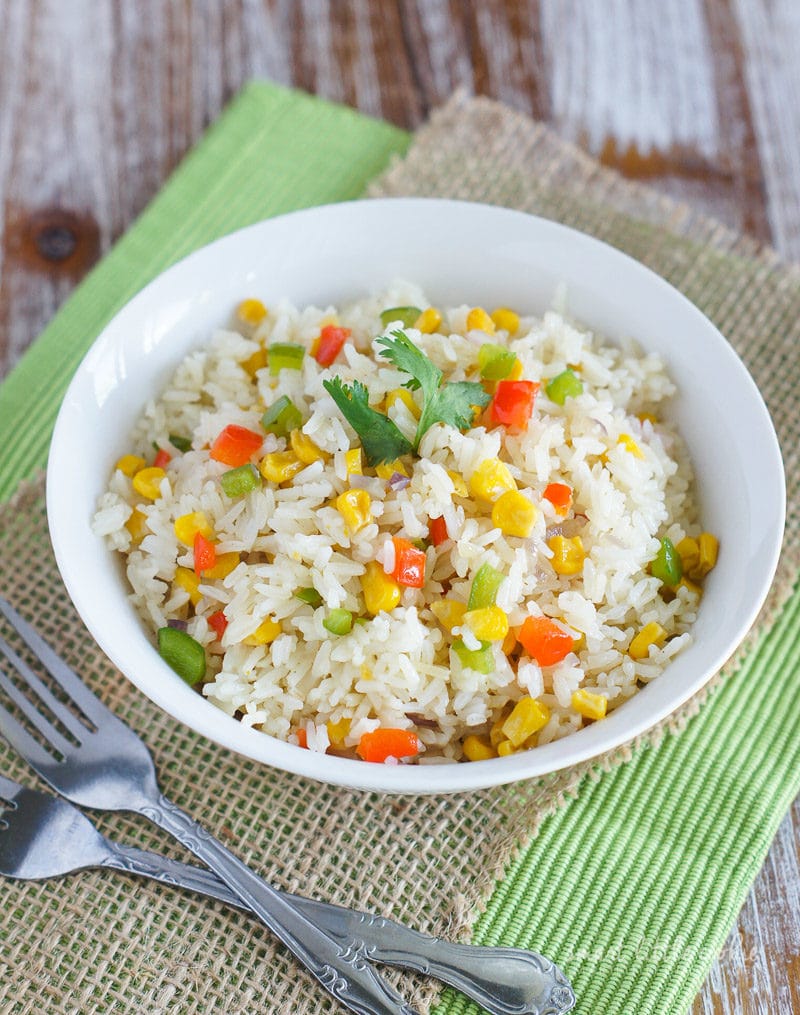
{"type": "Point", "coordinates": [42, 837]}
{"type": "Point", "coordinates": [110, 768]}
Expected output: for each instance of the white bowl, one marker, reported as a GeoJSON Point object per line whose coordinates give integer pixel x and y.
{"type": "Point", "coordinates": [459, 253]}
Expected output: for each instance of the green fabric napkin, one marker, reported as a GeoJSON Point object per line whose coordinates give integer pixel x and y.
{"type": "Point", "coordinates": [633, 886]}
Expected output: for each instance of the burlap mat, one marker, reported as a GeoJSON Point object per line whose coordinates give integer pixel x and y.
{"type": "Point", "coordinates": [100, 942]}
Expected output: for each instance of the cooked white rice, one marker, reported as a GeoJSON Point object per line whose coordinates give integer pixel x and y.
{"type": "Point", "coordinates": [397, 669]}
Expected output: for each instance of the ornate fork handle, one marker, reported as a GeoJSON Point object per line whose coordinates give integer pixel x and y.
{"type": "Point", "coordinates": [505, 981]}
{"type": "Point", "coordinates": [341, 966]}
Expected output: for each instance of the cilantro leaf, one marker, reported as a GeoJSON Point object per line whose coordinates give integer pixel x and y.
{"type": "Point", "coordinates": [451, 403]}
{"type": "Point", "coordinates": [380, 437]}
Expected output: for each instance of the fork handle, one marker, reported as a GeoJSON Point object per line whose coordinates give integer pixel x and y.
{"type": "Point", "coordinates": [340, 965]}
{"type": "Point", "coordinates": [504, 981]}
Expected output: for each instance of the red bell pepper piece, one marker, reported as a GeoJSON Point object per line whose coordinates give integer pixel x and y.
{"type": "Point", "coordinates": [544, 640]}
{"type": "Point", "coordinates": [437, 530]}
{"type": "Point", "coordinates": [218, 622]}
{"type": "Point", "coordinates": [205, 553]}
{"type": "Point", "coordinates": [560, 496]}
{"type": "Point", "coordinates": [236, 445]}
{"type": "Point", "coordinates": [512, 404]}
{"type": "Point", "coordinates": [384, 743]}
{"type": "Point", "coordinates": [162, 459]}
{"type": "Point", "coordinates": [409, 564]}
{"type": "Point", "coordinates": [329, 345]}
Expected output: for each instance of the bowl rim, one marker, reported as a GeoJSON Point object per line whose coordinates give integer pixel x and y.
{"type": "Point", "coordinates": [215, 725]}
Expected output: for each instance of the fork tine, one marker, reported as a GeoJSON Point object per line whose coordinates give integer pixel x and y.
{"type": "Point", "coordinates": [89, 704]}
{"type": "Point", "coordinates": [58, 708]}
{"type": "Point", "coordinates": [34, 716]}
{"type": "Point", "coordinates": [23, 743]}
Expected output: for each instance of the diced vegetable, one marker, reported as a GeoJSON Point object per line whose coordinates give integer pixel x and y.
{"type": "Point", "coordinates": [205, 553]}
{"type": "Point", "coordinates": [491, 479]}
{"type": "Point", "coordinates": [236, 445]}
{"type": "Point", "coordinates": [409, 564]}
{"type": "Point", "coordinates": [310, 596]}
{"type": "Point", "coordinates": [238, 482]}
{"type": "Point", "coordinates": [355, 506]}
{"type": "Point", "coordinates": [527, 717]}
{"type": "Point", "coordinates": [338, 621]}
{"type": "Point", "coordinates": [630, 445]}
{"type": "Point", "coordinates": [709, 551]}
{"type": "Point", "coordinates": [408, 316]}
{"type": "Point", "coordinates": [449, 612]}
{"type": "Point", "coordinates": [187, 527]}
{"type": "Point", "coordinates": [147, 482]}
{"type": "Point", "coordinates": [137, 525]}
{"type": "Point", "coordinates": [352, 462]}
{"type": "Point", "coordinates": [495, 361]}
{"type": "Point", "coordinates": [490, 623]}
{"type": "Point", "coordinates": [185, 655]}
{"type": "Point", "coordinates": [130, 464]}
{"type": "Point", "coordinates": [402, 395]}
{"type": "Point", "coordinates": [162, 459]}
{"type": "Point", "coordinates": [565, 385]}
{"type": "Point", "coordinates": [484, 588]}
{"type": "Point", "coordinates": [428, 321]}
{"type": "Point", "coordinates": [281, 417]}
{"type": "Point", "coordinates": [588, 704]}
{"type": "Point", "coordinates": [331, 340]}
{"type": "Point", "coordinates": [255, 362]}
{"type": "Point", "coordinates": [512, 405]}
{"type": "Point", "coordinates": [218, 622]}
{"type": "Point", "coordinates": [477, 748]}
{"type": "Point", "coordinates": [667, 566]}
{"type": "Point", "coordinates": [506, 320]}
{"type": "Point", "coordinates": [504, 748]}
{"type": "Point", "coordinates": [305, 449]}
{"type": "Point", "coordinates": [481, 659]}
{"type": "Point", "coordinates": [384, 743]}
{"type": "Point", "coordinates": [560, 496]}
{"type": "Point", "coordinates": [568, 554]}
{"type": "Point", "coordinates": [689, 551]}
{"type": "Point", "coordinates": [437, 530]}
{"type": "Point", "coordinates": [251, 311]}
{"type": "Point", "coordinates": [266, 632]}
{"type": "Point", "coordinates": [280, 466]}
{"type": "Point", "coordinates": [545, 641]}
{"type": "Point", "coordinates": [189, 582]}
{"type": "Point", "coordinates": [650, 634]}
{"type": "Point", "coordinates": [388, 469]}
{"type": "Point", "coordinates": [181, 443]}
{"type": "Point", "coordinates": [479, 320]}
{"type": "Point", "coordinates": [337, 731]}
{"type": "Point", "coordinates": [226, 562]}
{"type": "Point", "coordinates": [285, 356]}
{"type": "Point", "coordinates": [381, 592]}
{"type": "Point", "coordinates": [459, 486]}
{"type": "Point", "coordinates": [302, 738]}
{"type": "Point", "coordinates": [514, 514]}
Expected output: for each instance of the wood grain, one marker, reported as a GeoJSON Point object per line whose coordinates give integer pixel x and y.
{"type": "Point", "coordinates": [100, 99]}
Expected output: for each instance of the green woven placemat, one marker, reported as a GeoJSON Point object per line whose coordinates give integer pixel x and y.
{"type": "Point", "coordinates": [633, 886]}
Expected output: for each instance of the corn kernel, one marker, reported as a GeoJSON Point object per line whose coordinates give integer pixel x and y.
{"type": "Point", "coordinates": [381, 592]}
{"type": "Point", "coordinates": [387, 469]}
{"type": "Point", "coordinates": [709, 549]}
{"type": "Point", "coordinates": [187, 527]}
{"type": "Point", "coordinates": [516, 371]}
{"type": "Point", "coordinates": [479, 320]}
{"type": "Point", "coordinates": [251, 311]}
{"type": "Point", "coordinates": [428, 321]}
{"type": "Point", "coordinates": [527, 717]}
{"type": "Point", "coordinates": [509, 643]}
{"type": "Point", "coordinates": [449, 612]}
{"type": "Point", "coordinates": [568, 554]}
{"type": "Point", "coordinates": [650, 634]}
{"type": "Point", "coordinates": [491, 479]}
{"type": "Point", "coordinates": [487, 624]}
{"type": "Point", "coordinates": [477, 748]}
{"type": "Point", "coordinates": [352, 462]}
{"type": "Point", "coordinates": [459, 486]}
{"type": "Point", "coordinates": [189, 582]}
{"type": "Point", "coordinates": [686, 583]}
{"type": "Point", "coordinates": [305, 449]}
{"type": "Point", "coordinates": [403, 395]}
{"type": "Point", "coordinates": [514, 514]}
{"type": "Point", "coordinates": [506, 319]}
{"type": "Point", "coordinates": [256, 362]}
{"type": "Point", "coordinates": [588, 704]}
{"type": "Point", "coordinates": [355, 506]}
{"type": "Point", "coordinates": [280, 466]}
{"type": "Point", "coordinates": [337, 731]}
{"type": "Point", "coordinates": [496, 735]}
{"type": "Point", "coordinates": [130, 464]}
{"type": "Point", "coordinates": [266, 632]}
{"type": "Point", "coordinates": [689, 552]}
{"type": "Point", "coordinates": [630, 445]}
{"type": "Point", "coordinates": [147, 482]}
{"type": "Point", "coordinates": [137, 525]}
{"type": "Point", "coordinates": [504, 748]}
{"type": "Point", "coordinates": [226, 562]}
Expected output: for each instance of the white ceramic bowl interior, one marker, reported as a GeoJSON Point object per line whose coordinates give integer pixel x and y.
{"type": "Point", "coordinates": [460, 253]}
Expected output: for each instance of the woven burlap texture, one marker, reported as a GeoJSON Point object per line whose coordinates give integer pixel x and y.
{"type": "Point", "coordinates": [100, 942]}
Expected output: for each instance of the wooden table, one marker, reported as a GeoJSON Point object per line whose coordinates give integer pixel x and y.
{"type": "Point", "coordinates": [100, 99]}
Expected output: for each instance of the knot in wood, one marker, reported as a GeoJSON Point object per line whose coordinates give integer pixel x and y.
{"type": "Point", "coordinates": [56, 242]}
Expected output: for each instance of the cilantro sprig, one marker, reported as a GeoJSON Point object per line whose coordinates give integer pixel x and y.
{"type": "Point", "coordinates": [452, 403]}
